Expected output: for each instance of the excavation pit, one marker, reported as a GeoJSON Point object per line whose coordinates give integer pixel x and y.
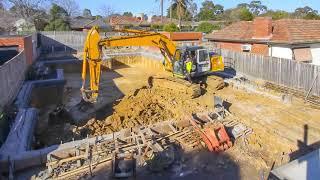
{"type": "Point", "coordinates": [126, 101]}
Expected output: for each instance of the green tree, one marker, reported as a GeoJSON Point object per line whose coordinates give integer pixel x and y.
{"type": "Point", "coordinates": [186, 16]}
{"type": "Point", "coordinates": [257, 8]}
{"type": "Point", "coordinates": [306, 13]}
{"type": "Point", "coordinates": [180, 10]}
{"type": "Point", "coordinates": [129, 14]}
{"type": "Point", "coordinates": [86, 13]}
{"type": "Point", "coordinates": [276, 15]}
{"type": "Point", "coordinates": [312, 16]}
{"type": "Point", "coordinates": [171, 27]}
{"type": "Point", "coordinates": [58, 19]}
{"type": "Point", "coordinates": [209, 11]}
{"type": "Point", "coordinates": [207, 27]}
{"type": "Point", "coordinates": [98, 17]}
{"type": "Point", "coordinates": [156, 27]}
{"type": "Point", "coordinates": [161, 6]}
{"type": "Point", "coordinates": [245, 15]}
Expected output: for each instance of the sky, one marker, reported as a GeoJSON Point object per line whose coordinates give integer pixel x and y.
{"type": "Point", "coordinates": [151, 7]}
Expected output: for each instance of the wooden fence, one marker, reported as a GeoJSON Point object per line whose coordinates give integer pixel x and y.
{"type": "Point", "coordinates": [284, 72]}
{"type": "Point", "coordinates": [12, 74]}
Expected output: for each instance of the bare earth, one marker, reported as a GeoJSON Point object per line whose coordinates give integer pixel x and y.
{"type": "Point", "coordinates": [279, 129]}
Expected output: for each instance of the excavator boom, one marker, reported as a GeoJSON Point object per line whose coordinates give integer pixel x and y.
{"type": "Point", "coordinates": [93, 54]}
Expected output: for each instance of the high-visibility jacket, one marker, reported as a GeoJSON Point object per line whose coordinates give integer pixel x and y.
{"type": "Point", "coordinates": [189, 66]}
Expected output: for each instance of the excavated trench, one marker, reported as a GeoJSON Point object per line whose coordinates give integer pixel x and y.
{"type": "Point", "coordinates": [125, 101]}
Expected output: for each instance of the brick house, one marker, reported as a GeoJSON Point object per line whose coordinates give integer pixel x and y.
{"type": "Point", "coordinates": [295, 39]}
{"type": "Point", "coordinates": [121, 22]}
{"type": "Point", "coordinates": [84, 24]}
{"type": "Point", "coordinates": [19, 43]}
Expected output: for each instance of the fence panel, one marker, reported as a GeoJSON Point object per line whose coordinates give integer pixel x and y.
{"type": "Point", "coordinates": [285, 72]}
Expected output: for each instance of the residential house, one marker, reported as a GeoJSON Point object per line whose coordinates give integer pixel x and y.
{"type": "Point", "coordinates": [12, 44]}
{"type": "Point", "coordinates": [122, 22]}
{"type": "Point", "coordinates": [185, 38]}
{"type": "Point", "coordinates": [83, 24]}
{"type": "Point", "coordinates": [296, 39]}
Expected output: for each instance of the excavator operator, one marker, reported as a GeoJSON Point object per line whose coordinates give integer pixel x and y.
{"type": "Point", "coordinates": [189, 63]}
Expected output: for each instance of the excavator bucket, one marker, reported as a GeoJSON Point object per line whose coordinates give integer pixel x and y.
{"type": "Point", "coordinates": [217, 63]}
{"type": "Point", "coordinates": [214, 136]}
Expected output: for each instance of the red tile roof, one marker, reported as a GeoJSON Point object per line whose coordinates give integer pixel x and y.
{"type": "Point", "coordinates": [284, 31]}
{"type": "Point", "coordinates": [124, 20]}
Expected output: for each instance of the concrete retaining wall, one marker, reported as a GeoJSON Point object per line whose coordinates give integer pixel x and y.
{"type": "Point", "coordinates": [144, 59]}
{"type": "Point", "coordinates": [15, 152]}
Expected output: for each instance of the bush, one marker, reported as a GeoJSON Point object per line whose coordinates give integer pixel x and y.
{"type": "Point", "coordinates": [246, 15]}
{"type": "Point", "coordinates": [206, 27]}
{"type": "Point", "coordinates": [171, 27]}
{"type": "Point", "coordinates": [156, 27]}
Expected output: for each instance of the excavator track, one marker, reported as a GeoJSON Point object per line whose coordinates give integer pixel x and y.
{"type": "Point", "coordinates": [176, 84]}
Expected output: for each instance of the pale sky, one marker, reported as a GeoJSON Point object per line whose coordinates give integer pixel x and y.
{"type": "Point", "coordinates": [151, 7]}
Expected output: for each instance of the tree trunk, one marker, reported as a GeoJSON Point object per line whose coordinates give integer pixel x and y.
{"type": "Point", "coordinates": [161, 2]}
{"type": "Point", "coordinates": [171, 4]}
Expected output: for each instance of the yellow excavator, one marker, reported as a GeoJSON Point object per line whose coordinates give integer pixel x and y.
{"type": "Point", "coordinates": [175, 59]}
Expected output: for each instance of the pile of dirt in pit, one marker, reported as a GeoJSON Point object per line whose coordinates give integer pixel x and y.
{"type": "Point", "coordinates": [144, 107]}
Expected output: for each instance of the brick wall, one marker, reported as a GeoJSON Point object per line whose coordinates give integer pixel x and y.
{"type": "Point", "coordinates": [28, 49]}
{"type": "Point", "coordinates": [230, 46]}
{"type": "Point", "coordinates": [23, 43]}
{"type": "Point", "coordinates": [262, 49]}
{"type": "Point", "coordinates": [192, 37]}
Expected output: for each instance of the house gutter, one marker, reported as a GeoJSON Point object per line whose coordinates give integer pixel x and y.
{"type": "Point", "coordinates": [268, 42]}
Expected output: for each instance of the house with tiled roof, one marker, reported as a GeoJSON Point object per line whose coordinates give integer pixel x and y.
{"type": "Point", "coordinates": [121, 22]}
{"type": "Point", "coordinates": [83, 23]}
{"type": "Point", "coordinates": [296, 39]}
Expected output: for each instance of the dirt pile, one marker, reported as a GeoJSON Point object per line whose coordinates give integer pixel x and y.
{"type": "Point", "coordinates": [145, 106]}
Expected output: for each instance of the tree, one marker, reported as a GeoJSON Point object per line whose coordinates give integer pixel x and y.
{"type": "Point", "coordinates": [27, 9]}
{"type": "Point", "coordinates": [129, 14]}
{"type": "Point", "coordinates": [98, 17]}
{"type": "Point", "coordinates": [206, 27]}
{"type": "Point", "coordinates": [106, 11]}
{"type": "Point", "coordinates": [243, 5]}
{"type": "Point", "coordinates": [161, 9]}
{"type": "Point", "coordinates": [58, 19]}
{"type": "Point", "coordinates": [209, 11]}
{"type": "Point", "coordinates": [71, 6]}
{"type": "Point", "coordinates": [171, 27]}
{"type": "Point", "coordinates": [245, 15]}
{"type": "Point", "coordinates": [276, 15]}
{"type": "Point", "coordinates": [180, 11]}
{"type": "Point", "coordinates": [193, 10]}
{"type": "Point", "coordinates": [240, 13]}
{"type": "Point", "coordinates": [256, 7]}
{"type": "Point", "coordinates": [156, 27]}
{"type": "Point", "coordinates": [306, 13]}
{"type": "Point", "coordinates": [86, 13]}
{"type": "Point", "coordinates": [6, 21]}
{"type": "Point", "coordinates": [312, 16]}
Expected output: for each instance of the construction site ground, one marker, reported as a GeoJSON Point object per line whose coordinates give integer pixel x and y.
{"type": "Point", "coordinates": [281, 132]}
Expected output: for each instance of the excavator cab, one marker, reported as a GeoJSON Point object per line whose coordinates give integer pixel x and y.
{"type": "Point", "coordinates": [203, 61]}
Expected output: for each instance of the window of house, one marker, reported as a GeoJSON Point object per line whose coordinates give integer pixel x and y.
{"type": "Point", "coordinates": [246, 47]}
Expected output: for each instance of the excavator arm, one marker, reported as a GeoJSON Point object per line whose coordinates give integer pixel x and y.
{"type": "Point", "coordinates": [92, 56]}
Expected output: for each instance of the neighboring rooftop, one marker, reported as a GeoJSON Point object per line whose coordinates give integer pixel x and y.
{"type": "Point", "coordinates": [86, 23]}
{"type": "Point", "coordinates": [125, 20]}
{"type": "Point", "coordinates": [289, 31]}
